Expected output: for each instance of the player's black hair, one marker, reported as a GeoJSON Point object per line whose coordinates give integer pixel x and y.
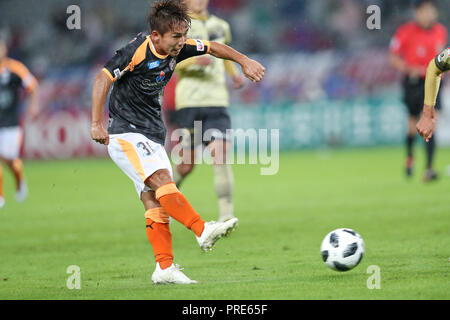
{"type": "Point", "coordinates": [418, 3]}
{"type": "Point", "coordinates": [165, 15]}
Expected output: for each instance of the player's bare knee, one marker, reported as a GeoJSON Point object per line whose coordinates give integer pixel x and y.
{"type": "Point", "coordinates": [158, 179]}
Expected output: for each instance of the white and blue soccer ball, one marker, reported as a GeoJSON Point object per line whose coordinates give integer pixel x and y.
{"type": "Point", "coordinates": [342, 249]}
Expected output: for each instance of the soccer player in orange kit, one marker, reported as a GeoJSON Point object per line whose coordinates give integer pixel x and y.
{"type": "Point", "coordinates": [136, 132]}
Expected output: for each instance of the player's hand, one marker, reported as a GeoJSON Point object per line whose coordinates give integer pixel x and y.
{"type": "Point", "coordinates": [203, 61]}
{"type": "Point", "coordinates": [427, 123]}
{"type": "Point", "coordinates": [99, 134]}
{"type": "Point", "coordinates": [253, 70]}
{"type": "Point", "coordinates": [238, 81]}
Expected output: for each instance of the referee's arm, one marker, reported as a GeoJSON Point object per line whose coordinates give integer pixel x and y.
{"type": "Point", "coordinates": [398, 63]}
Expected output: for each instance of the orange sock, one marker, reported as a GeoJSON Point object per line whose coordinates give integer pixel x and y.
{"type": "Point", "coordinates": [158, 234]}
{"type": "Point", "coordinates": [176, 206]}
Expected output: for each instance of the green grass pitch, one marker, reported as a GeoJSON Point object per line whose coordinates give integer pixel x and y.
{"type": "Point", "coordinates": [86, 213]}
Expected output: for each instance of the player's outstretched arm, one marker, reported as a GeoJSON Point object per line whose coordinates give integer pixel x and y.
{"type": "Point", "coordinates": [100, 91]}
{"type": "Point", "coordinates": [251, 68]}
{"type": "Point", "coordinates": [427, 122]}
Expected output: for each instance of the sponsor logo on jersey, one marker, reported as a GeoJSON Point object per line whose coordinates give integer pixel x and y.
{"type": "Point", "coordinates": [117, 74]}
{"type": "Point", "coordinates": [148, 84]}
{"type": "Point", "coordinates": [161, 77]}
{"type": "Point", "coordinates": [200, 45]}
{"type": "Point", "coordinates": [153, 65]}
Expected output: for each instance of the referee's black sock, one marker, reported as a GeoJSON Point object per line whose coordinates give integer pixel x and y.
{"type": "Point", "coordinates": [409, 145]}
{"type": "Point", "coordinates": [430, 147]}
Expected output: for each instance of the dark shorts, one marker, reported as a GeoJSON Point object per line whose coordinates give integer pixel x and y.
{"type": "Point", "coordinates": [204, 124]}
{"type": "Point", "coordinates": [414, 95]}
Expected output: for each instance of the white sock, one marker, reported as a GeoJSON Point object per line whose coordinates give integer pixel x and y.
{"type": "Point", "coordinates": [223, 183]}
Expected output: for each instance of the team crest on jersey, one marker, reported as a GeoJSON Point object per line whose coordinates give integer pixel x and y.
{"type": "Point", "coordinates": [172, 64]}
{"type": "Point", "coordinates": [200, 45]}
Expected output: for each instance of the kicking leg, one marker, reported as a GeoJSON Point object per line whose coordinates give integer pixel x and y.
{"type": "Point", "coordinates": [176, 205]}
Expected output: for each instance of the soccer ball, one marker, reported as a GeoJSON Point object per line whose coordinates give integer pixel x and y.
{"type": "Point", "coordinates": [342, 249]}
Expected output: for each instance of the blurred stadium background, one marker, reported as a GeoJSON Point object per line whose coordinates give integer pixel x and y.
{"type": "Point", "coordinates": [328, 80]}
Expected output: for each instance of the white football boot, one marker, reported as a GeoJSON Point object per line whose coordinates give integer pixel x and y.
{"type": "Point", "coordinates": [213, 231]}
{"type": "Point", "coordinates": [22, 193]}
{"type": "Point", "coordinates": [2, 202]}
{"type": "Point", "coordinates": [171, 274]}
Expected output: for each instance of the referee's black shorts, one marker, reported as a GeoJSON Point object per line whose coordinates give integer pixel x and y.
{"type": "Point", "coordinates": [213, 120]}
{"type": "Point", "coordinates": [414, 95]}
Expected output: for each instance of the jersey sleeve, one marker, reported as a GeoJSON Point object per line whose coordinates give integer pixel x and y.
{"type": "Point", "coordinates": [193, 47]}
{"type": "Point", "coordinates": [442, 60]}
{"type": "Point", "coordinates": [120, 63]}
{"type": "Point", "coordinates": [398, 41]}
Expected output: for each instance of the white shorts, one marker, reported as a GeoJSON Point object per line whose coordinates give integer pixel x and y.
{"type": "Point", "coordinates": [138, 157]}
{"type": "Point", "coordinates": [10, 142]}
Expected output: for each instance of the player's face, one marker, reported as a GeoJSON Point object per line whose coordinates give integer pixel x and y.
{"type": "Point", "coordinates": [173, 41]}
{"type": "Point", "coordinates": [426, 15]}
{"type": "Point", "coordinates": [197, 6]}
